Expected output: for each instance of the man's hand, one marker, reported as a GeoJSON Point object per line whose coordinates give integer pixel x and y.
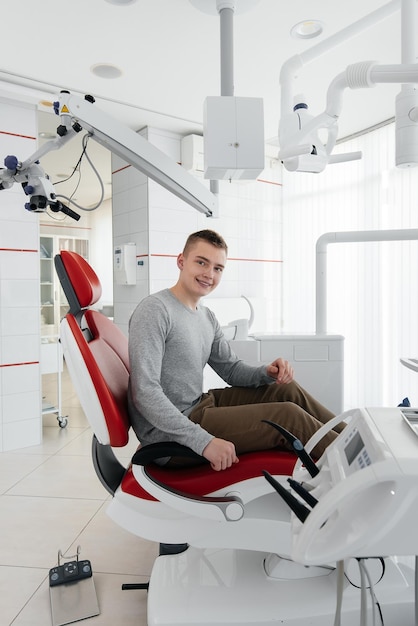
{"type": "Point", "coordinates": [281, 370]}
{"type": "Point", "coordinates": [220, 453]}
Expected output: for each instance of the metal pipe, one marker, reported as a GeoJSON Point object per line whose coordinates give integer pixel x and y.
{"type": "Point", "coordinates": [322, 243]}
{"type": "Point", "coordinates": [408, 30]}
{"type": "Point", "coordinates": [226, 15]}
{"type": "Point", "coordinates": [293, 64]}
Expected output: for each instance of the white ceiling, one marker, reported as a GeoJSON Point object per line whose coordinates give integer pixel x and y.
{"type": "Point", "coordinates": [169, 53]}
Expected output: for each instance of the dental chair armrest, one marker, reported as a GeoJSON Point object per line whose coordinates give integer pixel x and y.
{"type": "Point", "coordinates": [316, 437]}
{"type": "Point", "coordinates": [227, 508]}
{"type": "Point", "coordinates": [325, 428]}
{"type": "Point", "coordinates": [154, 451]}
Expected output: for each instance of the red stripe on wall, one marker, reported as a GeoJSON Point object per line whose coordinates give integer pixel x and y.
{"type": "Point", "coordinates": [174, 256]}
{"type": "Point", "coordinates": [19, 364]}
{"type": "Point", "coordinates": [3, 132]}
{"type": "Point", "coordinates": [256, 260]}
{"type": "Point", "coordinates": [48, 224]}
{"type": "Point", "coordinates": [258, 180]}
{"type": "Point", "coordinates": [269, 182]}
{"type": "Point", "coordinates": [17, 250]}
{"type": "Point", "coordinates": [121, 169]}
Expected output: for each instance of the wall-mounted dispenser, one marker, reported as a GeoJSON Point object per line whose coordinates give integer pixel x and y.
{"type": "Point", "coordinates": [125, 264]}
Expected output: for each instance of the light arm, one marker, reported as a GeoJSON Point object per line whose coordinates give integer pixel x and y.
{"type": "Point", "coordinates": [77, 114]}
{"type": "Point", "coordinates": [141, 154]}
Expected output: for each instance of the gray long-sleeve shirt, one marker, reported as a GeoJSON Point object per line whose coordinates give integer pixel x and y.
{"type": "Point", "coordinates": [169, 345]}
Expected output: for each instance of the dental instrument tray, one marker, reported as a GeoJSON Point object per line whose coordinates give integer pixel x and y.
{"type": "Point", "coordinates": [410, 416]}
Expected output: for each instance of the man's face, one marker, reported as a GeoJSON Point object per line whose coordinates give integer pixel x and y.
{"type": "Point", "coordinates": [201, 268]}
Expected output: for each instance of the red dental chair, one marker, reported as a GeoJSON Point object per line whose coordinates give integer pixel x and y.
{"type": "Point", "coordinates": [233, 510]}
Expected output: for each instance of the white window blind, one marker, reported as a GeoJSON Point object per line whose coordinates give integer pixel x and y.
{"type": "Point", "coordinates": [372, 287]}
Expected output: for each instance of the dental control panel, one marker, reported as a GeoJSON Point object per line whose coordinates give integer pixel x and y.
{"type": "Point", "coordinates": [363, 501]}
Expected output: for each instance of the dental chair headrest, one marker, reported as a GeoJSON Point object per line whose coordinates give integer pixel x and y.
{"type": "Point", "coordinates": [78, 279]}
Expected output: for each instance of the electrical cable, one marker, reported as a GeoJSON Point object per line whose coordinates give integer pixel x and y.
{"type": "Point", "coordinates": [362, 566]}
{"type": "Point", "coordinates": [376, 604]}
{"type": "Point", "coordinates": [374, 599]}
{"type": "Point", "coordinates": [77, 168]}
{"type": "Point", "coordinates": [416, 591]}
{"type": "Point", "coordinates": [363, 595]}
{"type": "Point", "coordinates": [340, 589]}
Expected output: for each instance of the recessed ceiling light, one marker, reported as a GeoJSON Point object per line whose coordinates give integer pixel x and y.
{"type": "Point", "coordinates": [121, 2]}
{"type": "Point", "coordinates": [308, 29]}
{"type": "Point", "coordinates": [106, 70]}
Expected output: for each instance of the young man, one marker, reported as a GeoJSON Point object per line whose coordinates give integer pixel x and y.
{"type": "Point", "coordinates": [172, 337]}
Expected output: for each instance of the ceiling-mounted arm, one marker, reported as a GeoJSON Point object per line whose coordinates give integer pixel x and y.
{"type": "Point", "coordinates": [301, 148]}
{"type": "Point", "coordinates": [226, 10]}
{"type": "Point", "coordinates": [77, 114]}
{"type": "Point", "coordinates": [141, 154]}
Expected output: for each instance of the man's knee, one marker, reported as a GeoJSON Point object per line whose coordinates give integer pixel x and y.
{"type": "Point", "coordinates": [284, 393]}
{"type": "Point", "coordinates": [288, 407]}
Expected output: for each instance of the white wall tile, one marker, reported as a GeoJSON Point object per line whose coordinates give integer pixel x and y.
{"type": "Point", "coordinates": [171, 220]}
{"type": "Point", "coordinates": [20, 293]}
{"type": "Point", "coordinates": [20, 119]}
{"type": "Point", "coordinates": [126, 177]}
{"type": "Point", "coordinates": [20, 349]}
{"type": "Point", "coordinates": [19, 377]}
{"type": "Point", "coordinates": [19, 235]}
{"type": "Point", "coordinates": [165, 141]}
{"type": "Point", "coordinates": [21, 406]}
{"type": "Point", "coordinates": [159, 197]}
{"type": "Point", "coordinates": [19, 320]}
{"type": "Point", "coordinates": [158, 284]}
{"type": "Point", "coordinates": [12, 202]}
{"type": "Point", "coordinates": [164, 268]}
{"type": "Point", "coordinates": [20, 265]}
{"type": "Point", "coordinates": [19, 290]}
{"type": "Point", "coordinates": [22, 434]}
{"type": "Point", "coordinates": [121, 225]}
{"type": "Point", "coordinates": [138, 220]}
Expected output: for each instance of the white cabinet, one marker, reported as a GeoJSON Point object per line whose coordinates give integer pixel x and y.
{"type": "Point", "coordinates": [53, 302]}
{"type": "Point", "coordinates": [54, 306]}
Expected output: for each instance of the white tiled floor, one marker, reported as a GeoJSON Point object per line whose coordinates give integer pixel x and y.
{"type": "Point", "coordinates": [50, 500]}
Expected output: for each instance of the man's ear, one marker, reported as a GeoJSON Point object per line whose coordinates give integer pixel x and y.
{"type": "Point", "coordinates": [180, 261]}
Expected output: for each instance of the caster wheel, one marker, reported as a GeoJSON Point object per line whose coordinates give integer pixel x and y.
{"type": "Point", "coordinates": [62, 421]}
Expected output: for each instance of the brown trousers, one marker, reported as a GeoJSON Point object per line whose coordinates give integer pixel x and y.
{"type": "Point", "coordinates": [236, 414]}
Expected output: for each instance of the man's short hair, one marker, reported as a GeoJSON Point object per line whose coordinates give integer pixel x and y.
{"type": "Point", "coordinates": [206, 235]}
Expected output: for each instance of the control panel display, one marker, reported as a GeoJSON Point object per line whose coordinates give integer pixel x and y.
{"type": "Point", "coordinates": [355, 450]}
{"type": "Point", "coordinates": [354, 447]}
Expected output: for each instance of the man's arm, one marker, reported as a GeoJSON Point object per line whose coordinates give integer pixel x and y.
{"type": "Point", "coordinates": [154, 415]}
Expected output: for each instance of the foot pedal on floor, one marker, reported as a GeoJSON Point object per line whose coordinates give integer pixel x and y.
{"type": "Point", "coordinates": [72, 591]}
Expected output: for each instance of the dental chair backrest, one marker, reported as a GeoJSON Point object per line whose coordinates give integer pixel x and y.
{"type": "Point", "coordinates": [103, 350]}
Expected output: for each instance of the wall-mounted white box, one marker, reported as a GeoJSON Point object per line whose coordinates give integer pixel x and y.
{"type": "Point", "coordinates": [125, 264]}
{"type": "Point", "coordinates": [233, 137]}
{"type": "Point", "coordinates": [192, 153]}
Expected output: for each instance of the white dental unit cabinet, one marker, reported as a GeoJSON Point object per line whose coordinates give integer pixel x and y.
{"type": "Point", "coordinates": [366, 490]}
{"type": "Point", "coordinates": [318, 359]}
{"type": "Point", "coordinates": [347, 521]}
